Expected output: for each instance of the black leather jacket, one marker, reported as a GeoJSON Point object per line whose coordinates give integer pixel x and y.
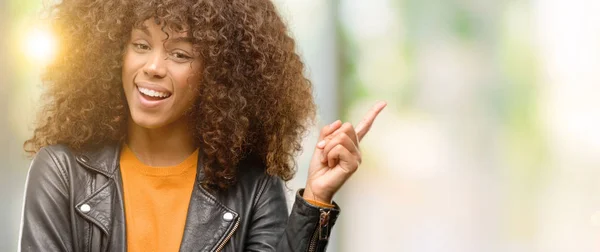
{"type": "Point", "coordinates": [74, 202]}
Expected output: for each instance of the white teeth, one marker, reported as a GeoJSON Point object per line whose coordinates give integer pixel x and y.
{"type": "Point", "coordinates": [153, 93]}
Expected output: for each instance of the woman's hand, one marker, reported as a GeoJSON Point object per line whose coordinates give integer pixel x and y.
{"type": "Point", "coordinates": [337, 156]}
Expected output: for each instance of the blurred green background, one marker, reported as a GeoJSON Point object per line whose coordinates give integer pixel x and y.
{"type": "Point", "coordinates": [491, 137]}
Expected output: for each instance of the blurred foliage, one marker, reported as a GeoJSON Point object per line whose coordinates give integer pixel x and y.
{"type": "Point", "coordinates": [497, 31]}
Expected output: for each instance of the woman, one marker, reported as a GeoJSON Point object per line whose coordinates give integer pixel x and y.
{"type": "Point", "coordinates": [171, 125]}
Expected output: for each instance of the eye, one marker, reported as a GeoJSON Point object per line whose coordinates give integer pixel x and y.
{"type": "Point", "coordinates": [141, 47]}
{"type": "Point", "coordinates": [180, 56]}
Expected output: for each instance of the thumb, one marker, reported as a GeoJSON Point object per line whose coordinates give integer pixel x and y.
{"type": "Point", "coordinates": [325, 131]}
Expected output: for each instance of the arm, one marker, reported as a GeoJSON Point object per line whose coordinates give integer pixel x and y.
{"type": "Point", "coordinates": [335, 159]}
{"type": "Point", "coordinates": [308, 219]}
{"type": "Point", "coordinates": [272, 230]}
{"type": "Point", "coordinates": [45, 224]}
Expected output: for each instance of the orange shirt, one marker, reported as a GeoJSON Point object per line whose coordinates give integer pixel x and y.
{"type": "Point", "coordinates": [156, 202]}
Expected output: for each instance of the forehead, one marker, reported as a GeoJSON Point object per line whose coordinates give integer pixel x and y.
{"type": "Point", "coordinates": [153, 25]}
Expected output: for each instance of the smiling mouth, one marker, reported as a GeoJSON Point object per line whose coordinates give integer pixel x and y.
{"type": "Point", "coordinates": [152, 95]}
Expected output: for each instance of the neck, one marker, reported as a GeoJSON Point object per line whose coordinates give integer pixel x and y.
{"type": "Point", "coordinates": [166, 146]}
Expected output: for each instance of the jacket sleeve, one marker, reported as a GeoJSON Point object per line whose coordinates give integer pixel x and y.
{"type": "Point", "coordinates": [306, 229]}
{"type": "Point", "coordinates": [45, 223]}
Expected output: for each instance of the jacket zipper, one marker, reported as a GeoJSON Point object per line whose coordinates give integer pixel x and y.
{"type": "Point", "coordinates": [237, 223]}
{"type": "Point", "coordinates": [321, 231]}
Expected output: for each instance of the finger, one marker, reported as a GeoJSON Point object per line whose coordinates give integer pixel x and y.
{"type": "Point", "coordinates": [341, 139]}
{"type": "Point", "coordinates": [363, 127]}
{"type": "Point", "coordinates": [345, 128]}
{"type": "Point", "coordinates": [341, 155]}
{"type": "Point", "coordinates": [349, 130]}
{"type": "Point", "coordinates": [327, 130]}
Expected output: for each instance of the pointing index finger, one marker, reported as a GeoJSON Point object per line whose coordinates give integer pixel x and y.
{"type": "Point", "coordinates": [363, 127]}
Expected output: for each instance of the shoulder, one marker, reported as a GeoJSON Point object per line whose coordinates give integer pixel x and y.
{"type": "Point", "coordinates": [55, 151]}
{"type": "Point", "coordinates": [50, 164]}
{"type": "Point", "coordinates": [255, 191]}
{"type": "Point", "coordinates": [52, 155]}
{"type": "Point", "coordinates": [253, 174]}
{"type": "Point", "coordinates": [253, 186]}
{"type": "Point", "coordinates": [55, 156]}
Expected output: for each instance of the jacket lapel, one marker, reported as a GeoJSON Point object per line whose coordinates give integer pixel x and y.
{"type": "Point", "coordinates": [104, 204]}
{"type": "Point", "coordinates": [98, 207]}
{"type": "Point", "coordinates": [209, 223]}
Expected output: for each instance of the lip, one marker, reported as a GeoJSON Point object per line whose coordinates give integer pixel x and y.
{"type": "Point", "coordinates": [150, 104]}
{"type": "Point", "coordinates": [153, 86]}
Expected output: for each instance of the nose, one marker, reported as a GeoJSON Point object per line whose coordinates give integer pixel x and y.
{"type": "Point", "coordinates": [156, 65]}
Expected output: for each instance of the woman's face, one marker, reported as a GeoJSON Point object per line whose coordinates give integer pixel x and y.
{"type": "Point", "coordinates": [160, 75]}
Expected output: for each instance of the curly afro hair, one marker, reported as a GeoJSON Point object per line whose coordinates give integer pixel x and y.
{"type": "Point", "coordinates": [254, 101]}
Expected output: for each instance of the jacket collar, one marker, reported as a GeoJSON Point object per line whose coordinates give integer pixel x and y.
{"type": "Point", "coordinates": [104, 159]}
{"type": "Point", "coordinates": [209, 223]}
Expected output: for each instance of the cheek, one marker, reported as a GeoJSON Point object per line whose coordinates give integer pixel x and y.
{"type": "Point", "coordinates": [190, 86]}
{"type": "Point", "coordinates": [127, 67]}
{"type": "Point", "coordinates": [188, 79]}
{"type": "Point", "coordinates": [131, 64]}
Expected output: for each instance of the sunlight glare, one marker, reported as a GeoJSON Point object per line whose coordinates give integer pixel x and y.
{"type": "Point", "coordinates": [40, 46]}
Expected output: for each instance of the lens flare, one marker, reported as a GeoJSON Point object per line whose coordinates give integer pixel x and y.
{"type": "Point", "coordinates": [40, 46]}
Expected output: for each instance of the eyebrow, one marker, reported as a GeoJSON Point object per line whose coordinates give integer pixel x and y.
{"type": "Point", "coordinates": [181, 39]}
{"type": "Point", "coordinates": [171, 40]}
{"type": "Point", "coordinates": [144, 29]}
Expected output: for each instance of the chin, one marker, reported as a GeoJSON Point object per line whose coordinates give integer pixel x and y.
{"type": "Point", "coordinates": [147, 121]}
